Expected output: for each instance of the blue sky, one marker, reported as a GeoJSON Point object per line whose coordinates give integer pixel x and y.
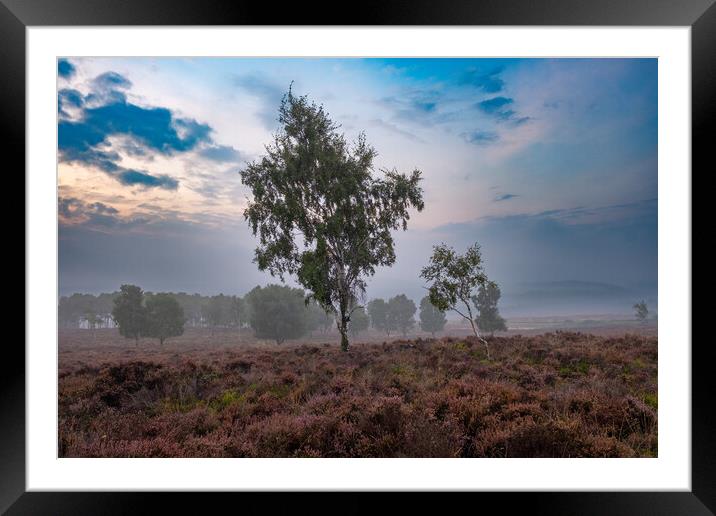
{"type": "Point", "coordinates": [551, 164]}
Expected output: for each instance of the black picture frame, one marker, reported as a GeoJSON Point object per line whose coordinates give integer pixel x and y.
{"type": "Point", "coordinates": [700, 15]}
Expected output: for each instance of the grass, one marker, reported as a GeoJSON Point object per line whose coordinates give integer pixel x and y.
{"type": "Point", "coordinates": [554, 395]}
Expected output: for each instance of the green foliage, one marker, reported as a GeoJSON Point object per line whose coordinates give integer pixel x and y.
{"type": "Point", "coordinates": [74, 309]}
{"type": "Point", "coordinates": [378, 312]}
{"type": "Point", "coordinates": [215, 311]}
{"type": "Point", "coordinates": [359, 321]}
{"type": "Point", "coordinates": [581, 367]}
{"type": "Point", "coordinates": [431, 318]}
{"type": "Point", "coordinates": [277, 312]}
{"type": "Point", "coordinates": [318, 318]}
{"type": "Point", "coordinates": [237, 312]}
{"type": "Point", "coordinates": [488, 316]}
{"type": "Point", "coordinates": [400, 313]}
{"type": "Point", "coordinates": [192, 304]}
{"type": "Point", "coordinates": [320, 211]}
{"type": "Point", "coordinates": [165, 317]}
{"type": "Point", "coordinates": [224, 311]}
{"type": "Point", "coordinates": [652, 399]}
{"type": "Point", "coordinates": [226, 399]}
{"type": "Point", "coordinates": [129, 313]}
{"type": "Point", "coordinates": [461, 345]}
{"type": "Point", "coordinates": [641, 310]}
{"type": "Point", "coordinates": [453, 278]}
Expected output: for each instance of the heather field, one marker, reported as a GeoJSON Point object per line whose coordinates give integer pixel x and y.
{"type": "Point", "coordinates": [558, 394]}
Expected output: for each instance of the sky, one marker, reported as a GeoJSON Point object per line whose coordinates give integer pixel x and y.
{"type": "Point", "coordinates": [549, 164]}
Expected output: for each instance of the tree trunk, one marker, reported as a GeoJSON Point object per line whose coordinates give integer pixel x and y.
{"type": "Point", "coordinates": [342, 325]}
{"type": "Point", "coordinates": [343, 328]}
{"type": "Point", "coordinates": [344, 319]}
{"type": "Point", "coordinates": [474, 329]}
{"type": "Point", "coordinates": [344, 341]}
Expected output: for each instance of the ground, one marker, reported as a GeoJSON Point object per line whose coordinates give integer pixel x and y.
{"type": "Point", "coordinates": [559, 394]}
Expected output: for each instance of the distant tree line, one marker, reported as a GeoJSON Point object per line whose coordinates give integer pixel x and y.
{"type": "Point", "coordinates": [87, 310]}
{"type": "Point", "coordinates": [92, 311]}
{"type": "Point", "coordinates": [275, 312]}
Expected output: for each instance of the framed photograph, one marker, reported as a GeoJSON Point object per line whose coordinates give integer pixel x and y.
{"type": "Point", "coordinates": [435, 250]}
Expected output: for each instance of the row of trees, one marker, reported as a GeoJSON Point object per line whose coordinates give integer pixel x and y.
{"type": "Point", "coordinates": [274, 312]}
{"type": "Point", "coordinates": [94, 311]}
{"type": "Point", "coordinates": [220, 311]}
{"type": "Point", "coordinates": [282, 313]}
{"type": "Point", "coordinates": [397, 314]}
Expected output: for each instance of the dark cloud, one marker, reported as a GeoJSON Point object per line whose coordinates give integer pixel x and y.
{"type": "Point", "coordinates": [96, 215]}
{"type": "Point", "coordinates": [70, 97]}
{"type": "Point", "coordinates": [136, 177]}
{"type": "Point", "coordinates": [111, 81]}
{"type": "Point", "coordinates": [497, 108]}
{"type": "Point", "coordinates": [424, 106]}
{"type": "Point", "coordinates": [221, 153]}
{"type": "Point", "coordinates": [103, 208]}
{"type": "Point", "coordinates": [155, 128]}
{"type": "Point", "coordinates": [69, 207]}
{"type": "Point", "coordinates": [504, 197]}
{"type": "Point", "coordinates": [108, 88]}
{"type": "Point", "coordinates": [494, 105]}
{"type": "Point", "coordinates": [489, 82]}
{"type": "Point", "coordinates": [105, 112]}
{"type": "Point", "coordinates": [480, 137]}
{"type": "Point", "coordinates": [65, 68]}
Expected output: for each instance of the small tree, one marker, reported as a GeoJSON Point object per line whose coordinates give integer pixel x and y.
{"type": "Point", "coordinates": [129, 313]}
{"type": "Point", "coordinates": [432, 319]}
{"type": "Point", "coordinates": [165, 317]}
{"type": "Point", "coordinates": [321, 212]}
{"type": "Point", "coordinates": [359, 321]}
{"type": "Point", "coordinates": [488, 317]}
{"type": "Point", "coordinates": [452, 280]}
{"type": "Point", "coordinates": [378, 312]}
{"type": "Point", "coordinates": [277, 312]}
{"type": "Point", "coordinates": [641, 310]}
{"type": "Point", "coordinates": [400, 313]}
